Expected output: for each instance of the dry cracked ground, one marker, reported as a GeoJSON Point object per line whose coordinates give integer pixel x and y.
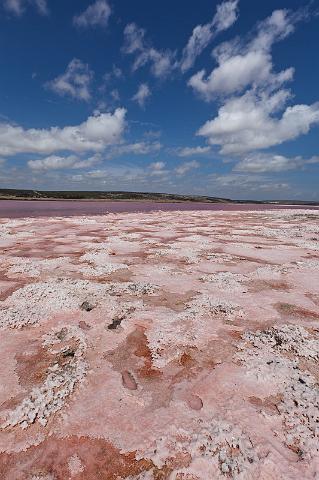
{"type": "Point", "coordinates": [170, 345]}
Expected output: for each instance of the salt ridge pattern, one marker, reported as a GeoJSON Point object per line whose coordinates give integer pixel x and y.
{"type": "Point", "coordinates": [164, 345]}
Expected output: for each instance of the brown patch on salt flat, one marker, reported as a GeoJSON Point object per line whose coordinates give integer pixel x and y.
{"type": "Point", "coordinates": [268, 405]}
{"type": "Point", "coordinates": [143, 351]}
{"type": "Point", "coordinates": [128, 354]}
{"type": "Point", "coordinates": [186, 360]}
{"type": "Point", "coordinates": [173, 301]}
{"type": "Point", "coordinates": [35, 249]}
{"type": "Point", "coordinates": [194, 361]}
{"type": "Point", "coordinates": [235, 334]}
{"type": "Point", "coordinates": [289, 310]}
{"type": "Point", "coordinates": [7, 287]}
{"type": "Point", "coordinates": [314, 298]}
{"type": "Point", "coordinates": [122, 275]}
{"type": "Point", "coordinates": [32, 365]}
{"type": "Point", "coordinates": [260, 285]}
{"type": "Point", "coordinates": [131, 257]}
{"type": "Point", "coordinates": [100, 460]}
{"type": "Point", "coordinates": [12, 402]}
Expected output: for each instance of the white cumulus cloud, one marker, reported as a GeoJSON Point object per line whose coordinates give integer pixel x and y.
{"type": "Point", "coordinates": [95, 134]}
{"type": "Point", "coordinates": [162, 62]}
{"type": "Point", "coordinates": [186, 167]}
{"type": "Point", "coordinates": [202, 35]}
{"type": "Point", "coordinates": [55, 162]}
{"type": "Point", "coordinates": [238, 72]}
{"type": "Point", "coordinates": [243, 184]}
{"type": "Point", "coordinates": [137, 148]}
{"type": "Point", "coordinates": [17, 7]}
{"type": "Point", "coordinates": [270, 162]}
{"type": "Point", "coordinates": [142, 94]}
{"type": "Point", "coordinates": [243, 65]}
{"type": "Point", "coordinates": [75, 82]}
{"type": "Point", "coordinates": [189, 151]}
{"type": "Point", "coordinates": [97, 14]}
{"type": "Point", "coordinates": [256, 111]}
{"type": "Point", "coordinates": [251, 122]}
{"type": "Point", "coordinates": [157, 166]}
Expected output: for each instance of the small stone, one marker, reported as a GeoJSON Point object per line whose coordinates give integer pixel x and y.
{"type": "Point", "coordinates": [116, 322]}
{"type": "Point", "coordinates": [87, 306]}
{"type": "Point", "coordinates": [69, 352]}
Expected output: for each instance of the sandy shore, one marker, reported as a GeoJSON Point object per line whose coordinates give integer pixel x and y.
{"type": "Point", "coordinates": [164, 345]}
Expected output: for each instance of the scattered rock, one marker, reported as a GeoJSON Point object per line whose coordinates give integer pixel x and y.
{"type": "Point", "coordinates": [116, 322]}
{"type": "Point", "coordinates": [87, 306]}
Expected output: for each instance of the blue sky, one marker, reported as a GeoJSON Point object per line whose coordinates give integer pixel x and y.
{"type": "Point", "coordinates": [213, 98]}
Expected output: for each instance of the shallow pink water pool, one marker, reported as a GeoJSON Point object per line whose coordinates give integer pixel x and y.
{"type": "Point", "coordinates": [49, 208]}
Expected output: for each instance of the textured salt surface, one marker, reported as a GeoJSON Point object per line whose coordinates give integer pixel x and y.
{"type": "Point", "coordinates": [170, 345]}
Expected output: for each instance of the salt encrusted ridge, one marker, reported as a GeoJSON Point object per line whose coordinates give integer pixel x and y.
{"type": "Point", "coordinates": [179, 331]}
{"type": "Point", "coordinates": [68, 346]}
{"type": "Point", "coordinates": [52, 296]}
{"type": "Point", "coordinates": [101, 270]}
{"type": "Point", "coordinates": [286, 338]}
{"type": "Point", "coordinates": [34, 267]}
{"type": "Point", "coordinates": [43, 477]}
{"type": "Point", "coordinates": [99, 262]}
{"type": "Point", "coordinates": [205, 303]}
{"type": "Point", "coordinates": [265, 357]}
{"type": "Point", "coordinates": [226, 281]}
{"type": "Point", "coordinates": [228, 446]}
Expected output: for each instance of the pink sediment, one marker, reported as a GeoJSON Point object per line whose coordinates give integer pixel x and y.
{"type": "Point", "coordinates": [164, 345]}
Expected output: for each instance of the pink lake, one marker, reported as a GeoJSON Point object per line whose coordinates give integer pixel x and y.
{"type": "Point", "coordinates": [48, 208]}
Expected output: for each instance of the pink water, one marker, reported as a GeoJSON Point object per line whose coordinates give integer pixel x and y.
{"type": "Point", "coordinates": [48, 208]}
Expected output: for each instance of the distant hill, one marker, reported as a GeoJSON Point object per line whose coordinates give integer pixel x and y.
{"type": "Point", "coordinates": [86, 195]}
{"type": "Point", "coordinates": [13, 194]}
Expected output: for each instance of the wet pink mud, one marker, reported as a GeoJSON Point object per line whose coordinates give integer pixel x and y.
{"type": "Point", "coordinates": [164, 345]}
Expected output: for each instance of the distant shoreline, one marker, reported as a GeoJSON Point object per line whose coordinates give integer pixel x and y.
{"type": "Point", "coordinates": [145, 200]}
{"type": "Point", "coordinates": [106, 200]}
{"type": "Point", "coordinates": [141, 197]}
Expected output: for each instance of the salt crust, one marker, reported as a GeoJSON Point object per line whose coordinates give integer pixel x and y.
{"type": "Point", "coordinates": [267, 357]}
{"type": "Point", "coordinates": [68, 346]}
{"type": "Point", "coordinates": [34, 268]}
{"type": "Point", "coordinates": [43, 477]}
{"type": "Point", "coordinates": [178, 331]}
{"type": "Point", "coordinates": [53, 296]}
{"type": "Point", "coordinates": [99, 263]}
{"type": "Point", "coordinates": [227, 446]}
{"type": "Point", "coordinates": [226, 281]}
